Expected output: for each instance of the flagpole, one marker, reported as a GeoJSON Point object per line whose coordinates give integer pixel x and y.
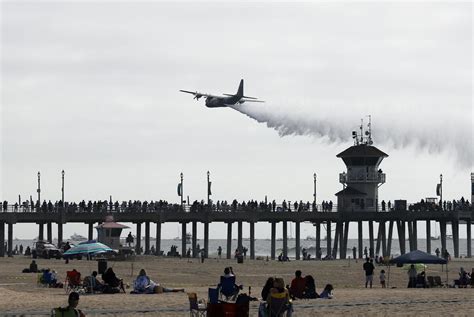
{"type": "Point", "coordinates": [208, 189]}
{"type": "Point", "coordinates": [181, 175]}
{"type": "Point", "coordinates": [441, 191]}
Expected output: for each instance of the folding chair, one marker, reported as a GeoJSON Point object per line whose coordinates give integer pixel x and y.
{"type": "Point", "coordinates": [72, 282]}
{"type": "Point", "coordinates": [196, 309]}
{"type": "Point", "coordinates": [278, 305]}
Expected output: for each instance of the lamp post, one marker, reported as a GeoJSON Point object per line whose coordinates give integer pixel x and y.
{"type": "Point", "coordinates": [39, 189]}
{"type": "Point", "coordinates": [441, 190]}
{"type": "Point", "coordinates": [62, 187]}
{"type": "Point", "coordinates": [314, 195]}
{"type": "Point", "coordinates": [181, 175]}
{"type": "Point", "coordinates": [208, 188]}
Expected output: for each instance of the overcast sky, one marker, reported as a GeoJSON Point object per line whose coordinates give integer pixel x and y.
{"type": "Point", "coordinates": [92, 88]}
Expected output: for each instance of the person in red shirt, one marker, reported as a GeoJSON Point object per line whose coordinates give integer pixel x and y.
{"type": "Point", "coordinates": [298, 285]}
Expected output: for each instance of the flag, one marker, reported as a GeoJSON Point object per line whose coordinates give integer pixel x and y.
{"type": "Point", "coordinates": [209, 188]}
{"type": "Point", "coordinates": [180, 190]}
{"type": "Point", "coordinates": [438, 189]}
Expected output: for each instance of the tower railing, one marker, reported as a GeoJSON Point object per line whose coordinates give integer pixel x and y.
{"type": "Point", "coordinates": [370, 177]}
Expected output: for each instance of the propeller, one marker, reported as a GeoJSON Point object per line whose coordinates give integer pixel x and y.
{"type": "Point", "coordinates": [197, 96]}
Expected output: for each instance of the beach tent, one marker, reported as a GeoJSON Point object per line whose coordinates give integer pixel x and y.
{"type": "Point", "coordinates": [418, 256]}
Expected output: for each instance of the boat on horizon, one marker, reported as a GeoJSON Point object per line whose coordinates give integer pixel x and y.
{"type": "Point", "coordinates": [77, 237]}
{"type": "Point", "coordinates": [188, 238]}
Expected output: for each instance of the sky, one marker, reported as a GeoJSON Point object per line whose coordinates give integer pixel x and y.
{"type": "Point", "coordinates": [92, 88]}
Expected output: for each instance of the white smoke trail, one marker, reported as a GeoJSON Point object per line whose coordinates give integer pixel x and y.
{"type": "Point", "coordinates": [434, 135]}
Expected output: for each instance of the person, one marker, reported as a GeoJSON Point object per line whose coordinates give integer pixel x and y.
{"type": "Point", "coordinates": [219, 251]}
{"type": "Point", "coordinates": [327, 292]}
{"type": "Point", "coordinates": [33, 267]}
{"type": "Point", "coordinates": [129, 239]}
{"type": "Point", "coordinates": [203, 255]}
{"type": "Point", "coordinates": [463, 277]}
{"type": "Point", "coordinates": [112, 280]}
{"type": "Point", "coordinates": [412, 276]}
{"type": "Point", "coordinates": [227, 283]}
{"type": "Point", "coordinates": [354, 253]}
{"type": "Point", "coordinates": [278, 291]}
{"type": "Point", "coordinates": [382, 278]}
{"type": "Point", "coordinates": [94, 283]}
{"type": "Point", "coordinates": [365, 252]}
{"type": "Point", "coordinates": [265, 291]}
{"type": "Point", "coordinates": [437, 252]}
{"type": "Point", "coordinates": [298, 285]}
{"type": "Point", "coordinates": [310, 288]}
{"type": "Point", "coordinates": [267, 287]}
{"type": "Point", "coordinates": [71, 309]}
{"type": "Point", "coordinates": [369, 272]}
{"type": "Point", "coordinates": [143, 284]}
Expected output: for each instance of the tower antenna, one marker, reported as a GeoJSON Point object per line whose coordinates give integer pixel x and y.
{"type": "Point", "coordinates": [369, 131]}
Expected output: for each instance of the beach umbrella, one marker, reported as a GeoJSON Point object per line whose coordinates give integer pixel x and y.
{"type": "Point", "coordinates": [416, 257]}
{"type": "Point", "coordinates": [88, 247]}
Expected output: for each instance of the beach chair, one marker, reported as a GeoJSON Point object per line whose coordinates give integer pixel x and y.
{"type": "Point", "coordinates": [196, 309]}
{"type": "Point", "coordinates": [278, 306]}
{"type": "Point", "coordinates": [437, 281]}
{"type": "Point", "coordinates": [227, 288]}
{"type": "Point", "coordinates": [73, 282]}
{"type": "Point", "coordinates": [431, 281]}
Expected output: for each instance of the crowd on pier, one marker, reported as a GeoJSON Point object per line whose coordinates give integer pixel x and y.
{"type": "Point", "coordinates": [219, 206]}
{"type": "Point", "coordinates": [163, 205]}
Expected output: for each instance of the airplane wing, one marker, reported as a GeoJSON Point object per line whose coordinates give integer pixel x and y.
{"type": "Point", "coordinates": [196, 94]}
{"type": "Point", "coordinates": [250, 100]}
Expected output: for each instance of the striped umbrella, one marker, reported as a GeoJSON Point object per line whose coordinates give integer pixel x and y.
{"type": "Point", "coordinates": [88, 247]}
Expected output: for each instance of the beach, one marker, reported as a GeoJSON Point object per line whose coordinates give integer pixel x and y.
{"type": "Point", "coordinates": [20, 294]}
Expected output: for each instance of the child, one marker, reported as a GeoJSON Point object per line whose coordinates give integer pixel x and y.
{"type": "Point", "coordinates": [382, 278]}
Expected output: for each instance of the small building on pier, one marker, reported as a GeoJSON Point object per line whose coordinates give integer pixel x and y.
{"type": "Point", "coordinates": [109, 232]}
{"type": "Point", "coordinates": [363, 177]}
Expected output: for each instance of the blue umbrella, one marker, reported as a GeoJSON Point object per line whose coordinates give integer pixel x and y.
{"type": "Point", "coordinates": [88, 247]}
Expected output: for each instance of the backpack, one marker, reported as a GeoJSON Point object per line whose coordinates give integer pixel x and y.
{"type": "Point", "coordinates": [65, 312]}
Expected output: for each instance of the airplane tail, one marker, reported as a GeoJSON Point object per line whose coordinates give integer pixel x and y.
{"type": "Point", "coordinates": [240, 92]}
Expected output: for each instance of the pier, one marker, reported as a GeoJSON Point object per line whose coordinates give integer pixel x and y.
{"type": "Point", "coordinates": [406, 221]}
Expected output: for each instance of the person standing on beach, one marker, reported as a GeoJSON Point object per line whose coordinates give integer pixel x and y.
{"type": "Point", "coordinates": [219, 251]}
{"type": "Point", "coordinates": [365, 252]}
{"type": "Point", "coordinates": [369, 272]}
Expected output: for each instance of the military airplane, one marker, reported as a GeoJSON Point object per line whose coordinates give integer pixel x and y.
{"type": "Point", "coordinates": [221, 101]}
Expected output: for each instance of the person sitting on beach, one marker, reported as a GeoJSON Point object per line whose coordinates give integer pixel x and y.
{"type": "Point", "coordinates": [327, 292]}
{"type": "Point", "coordinates": [93, 284]}
{"type": "Point", "coordinates": [33, 267]}
{"type": "Point", "coordinates": [112, 281]}
{"type": "Point", "coordinates": [278, 300]}
{"type": "Point", "coordinates": [70, 310]}
{"type": "Point", "coordinates": [144, 285]}
{"type": "Point", "coordinates": [227, 284]}
{"type": "Point", "coordinates": [267, 287]}
{"type": "Point", "coordinates": [298, 285]}
{"type": "Point", "coordinates": [49, 278]}
{"type": "Point", "coordinates": [464, 279]}
{"type": "Point", "coordinates": [310, 288]}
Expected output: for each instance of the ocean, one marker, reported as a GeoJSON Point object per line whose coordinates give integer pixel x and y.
{"type": "Point", "coordinates": [262, 246]}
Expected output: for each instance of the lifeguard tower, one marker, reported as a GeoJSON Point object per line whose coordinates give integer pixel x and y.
{"type": "Point", "coordinates": [109, 233]}
{"type": "Point", "coordinates": [363, 177]}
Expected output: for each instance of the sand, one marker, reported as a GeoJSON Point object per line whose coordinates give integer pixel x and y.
{"type": "Point", "coordinates": [20, 294]}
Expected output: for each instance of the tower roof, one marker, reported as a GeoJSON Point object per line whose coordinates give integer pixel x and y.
{"type": "Point", "coordinates": [362, 150]}
{"type": "Point", "coordinates": [350, 191]}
